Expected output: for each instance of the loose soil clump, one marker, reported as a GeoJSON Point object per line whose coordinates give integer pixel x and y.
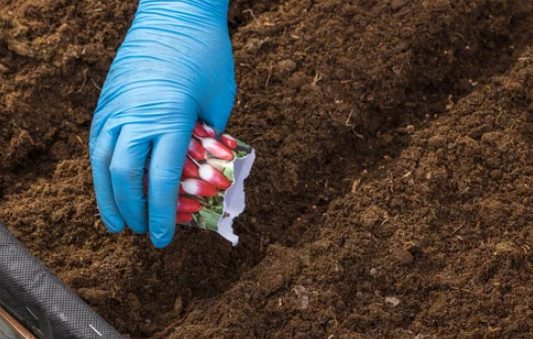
{"type": "Point", "coordinates": [391, 196]}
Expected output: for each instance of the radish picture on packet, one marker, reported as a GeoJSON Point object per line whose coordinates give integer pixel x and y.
{"type": "Point", "coordinates": [212, 182]}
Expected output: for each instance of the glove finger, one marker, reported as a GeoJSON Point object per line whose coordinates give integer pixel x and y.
{"type": "Point", "coordinates": [101, 156]}
{"type": "Point", "coordinates": [168, 156]}
{"type": "Point", "coordinates": [127, 168]}
{"type": "Point", "coordinates": [218, 111]}
{"type": "Point", "coordinates": [97, 125]}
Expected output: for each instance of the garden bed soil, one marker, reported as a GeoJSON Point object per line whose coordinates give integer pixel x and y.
{"type": "Point", "coordinates": [391, 197]}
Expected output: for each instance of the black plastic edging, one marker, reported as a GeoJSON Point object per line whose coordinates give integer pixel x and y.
{"type": "Point", "coordinates": [32, 294]}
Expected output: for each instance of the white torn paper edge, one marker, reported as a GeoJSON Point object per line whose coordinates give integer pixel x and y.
{"type": "Point", "coordinates": [234, 199]}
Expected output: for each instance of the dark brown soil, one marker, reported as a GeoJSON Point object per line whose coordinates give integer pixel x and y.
{"type": "Point", "coordinates": [392, 193]}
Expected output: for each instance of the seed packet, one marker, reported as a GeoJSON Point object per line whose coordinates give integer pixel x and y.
{"type": "Point", "coordinates": [212, 184]}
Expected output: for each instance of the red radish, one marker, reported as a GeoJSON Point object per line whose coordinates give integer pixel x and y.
{"type": "Point", "coordinates": [199, 188]}
{"type": "Point", "coordinates": [217, 149]}
{"type": "Point", "coordinates": [214, 177]}
{"type": "Point", "coordinates": [200, 131]}
{"type": "Point", "coordinates": [187, 205]}
{"type": "Point", "coordinates": [182, 191]}
{"type": "Point", "coordinates": [189, 169]}
{"type": "Point", "coordinates": [229, 141]}
{"type": "Point", "coordinates": [183, 218]}
{"type": "Point", "coordinates": [196, 151]}
{"type": "Point", "coordinates": [219, 164]}
{"type": "Point", "coordinates": [210, 132]}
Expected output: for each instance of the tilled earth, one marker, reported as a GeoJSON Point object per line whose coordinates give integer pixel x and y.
{"type": "Point", "coordinates": [392, 193]}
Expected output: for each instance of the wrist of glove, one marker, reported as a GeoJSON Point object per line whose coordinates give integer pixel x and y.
{"type": "Point", "coordinates": [175, 66]}
{"type": "Point", "coordinates": [208, 9]}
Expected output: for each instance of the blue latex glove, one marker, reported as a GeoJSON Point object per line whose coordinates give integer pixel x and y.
{"type": "Point", "coordinates": [175, 66]}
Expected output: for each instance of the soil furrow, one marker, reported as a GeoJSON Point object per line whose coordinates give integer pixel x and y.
{"type": "Point", "coordinates": [393, 161]}
{"type": "Point", "coordinates": [437, 244]}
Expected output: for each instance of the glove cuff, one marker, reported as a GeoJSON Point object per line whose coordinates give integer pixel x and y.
{"type": "Point", "coordinates": [218, 9]}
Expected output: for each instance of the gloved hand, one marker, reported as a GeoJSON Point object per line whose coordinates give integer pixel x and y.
{"type": "Point", "coordinates": [175, 66]}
